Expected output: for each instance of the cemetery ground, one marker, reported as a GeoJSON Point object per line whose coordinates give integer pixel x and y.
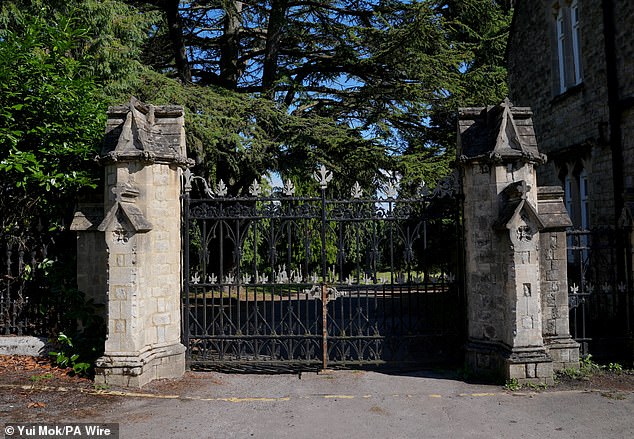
{"type": "Point", "coordinates": [596, 403]}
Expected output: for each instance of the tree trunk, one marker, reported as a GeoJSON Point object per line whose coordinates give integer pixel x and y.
{"type": "Point", "coordinates": [175, 26]}
{"type": "Point", "coordinates": [230, 68]}
{"type": "Point", "coordinates": [277, 19]}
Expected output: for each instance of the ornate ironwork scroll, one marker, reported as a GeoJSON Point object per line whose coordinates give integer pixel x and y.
{"type": "Point", "coordinates": [287, 282]}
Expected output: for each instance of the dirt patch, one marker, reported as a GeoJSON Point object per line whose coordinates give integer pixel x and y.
{"type": "Point", "coordinates": [42, 404]}
{"type": "Point", "coordinates": [26, 370]}
{"type": "Point", "coordinates": [609, 381]}
{"type": "Point", "coordinates": [33, 389]}
{"type": "Point", "coordinates": [378, 410]}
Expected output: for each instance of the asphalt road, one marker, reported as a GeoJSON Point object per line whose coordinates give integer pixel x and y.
{"type": "Point", "coordinates": [364, 405]}
{"type": "Point", "coordinates": [345, 405]}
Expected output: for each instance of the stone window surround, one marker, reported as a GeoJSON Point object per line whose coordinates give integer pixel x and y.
{"type": "Point", "coordinates": [576, 194]}
{"type": "Point", "coordinates": [575, 180]}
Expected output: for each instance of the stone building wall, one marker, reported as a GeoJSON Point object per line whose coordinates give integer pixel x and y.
{"type": "Point", "coordinates": [587, 132]}
{"type": "Point", "coordinates": [627, 129]}
{"type": "Point", "coordinates": [572, 127]}
{"type": "Point", "coordinates": [92, 255]}
{"type": "Point", "coordinates": [624, 23]}
{"type": "Point", "coordinates": [625, 63]}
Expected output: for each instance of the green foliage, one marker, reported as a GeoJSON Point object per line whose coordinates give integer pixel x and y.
{"type": "Point", "coordinates": [80, 331]}
{"type": "Point", "coordinates": [80, 351]}
{"type": "Point", "coordinates": [50, 121]}
{"type": "Point", "coordinates": [480, 29]}
{"type": "Point", "coordinates": [615, 367]}
{"type": "Point", "coordinates": [80, 340]}
{"type": "Point", "coordinates": [281, 86]}
{"type": "Point", "coordinates": [512, 385]}
{"type": "Point", "coordinates": [45, 376]}
{"type": "Point", "coordinates": [360, 87]}
{"type": "Point", "coordinates": [81, 316]}
{"type": "Point", "coordinates": [238, 138]}
{"type": "Point", "coordinates": [536, 386]}
{"type": "Point", "coordinates": [569, 372]}
{"type": "Point", "coordinates": [61, 63]}
{"type": "Point", "coordinates": [367, 88]}
{"type": "Point", "coordinates": [587, 368]}
{"type": "Point", "coordinates": [111, 41]}
{"type": "Point", "coordinates": [67, 356]}
{"type": "Point", "coordinates": [477, 31]}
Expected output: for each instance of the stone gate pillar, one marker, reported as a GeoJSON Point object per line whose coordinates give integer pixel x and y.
{"type": "Point", "coordinates": [498, 154]}
{"type": "Point", "coordinates": [563, 350]}
{"type": "Point", "coordinates": [143, 155]}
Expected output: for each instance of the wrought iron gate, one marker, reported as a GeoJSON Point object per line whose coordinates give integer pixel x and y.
{"type": "Point", "coordinates": [280, 282]}
{"type": "Point", "coordinates": [601, 292]}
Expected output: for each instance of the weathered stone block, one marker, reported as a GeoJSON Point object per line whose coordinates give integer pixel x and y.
{"type": "Point", "coordinates": [544, 370]}
{"type": "Point", "coordinates": [161, 319]}
{"type": "Point", "coordinates": [518, 315]}
{"type": "Point", "coordinates": [161, 334]}
{"type": "Point", "coordinates": [161, 305]}
{"type": "Point", "coordinates": [561, 355]}
{"type": "Point", "coordinates": [562, 326]}
{"type": "Point", "coordinates": [121, 293]}
{"type": "Point", "coordinates": [120, 326]}
{"type": "Point", "coordinates": [23, 345]}
{"type": "Point", "coordinates": [516, 371]}
{"type": "Point", "coordinates": [531, 370]}
{"type": "Point", "coordinates": [553, 275]}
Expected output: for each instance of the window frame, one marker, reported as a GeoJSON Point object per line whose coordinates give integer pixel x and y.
{"type": "Point", "coordinates": [575, 31]}
{"type": "Point", "coordinates": [560, 24]}
{"type": "Point", "coordinates": [567, 26]}
{"type": "Point", "coordinates": [583, 200]}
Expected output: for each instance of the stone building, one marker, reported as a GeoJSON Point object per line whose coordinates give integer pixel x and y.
{"type": "Point", "coordinates": [572, 62]}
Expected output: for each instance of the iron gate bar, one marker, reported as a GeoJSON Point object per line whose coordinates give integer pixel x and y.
{"type": "Point", "coordinates": [600, 295]}
{"type": "Point", "coordinates": [266, 318]}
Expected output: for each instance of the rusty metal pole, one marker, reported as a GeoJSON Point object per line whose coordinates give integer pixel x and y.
{"type": "Point", "coordinates": [324, 289]}
{"type": "Point", "coordinates": [324, 322]}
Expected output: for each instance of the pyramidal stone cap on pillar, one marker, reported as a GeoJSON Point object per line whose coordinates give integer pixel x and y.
{"type": "Point", "coordinates": [495, 134]}
{"type": "Point", "coordinates": [138, 131]}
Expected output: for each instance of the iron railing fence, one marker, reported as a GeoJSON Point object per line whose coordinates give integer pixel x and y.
{"type": "Point", "coordinates": [279, 282]}
{"type": "Point", "coordinates": [601, 292]}
{"type": "Point", "coordinates": [28, 306]}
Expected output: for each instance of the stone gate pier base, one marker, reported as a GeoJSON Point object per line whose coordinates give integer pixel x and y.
{"type": "Point", "coordinates": [515, 250]}
{"type": "Point", "coordinates": [139, 227]}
